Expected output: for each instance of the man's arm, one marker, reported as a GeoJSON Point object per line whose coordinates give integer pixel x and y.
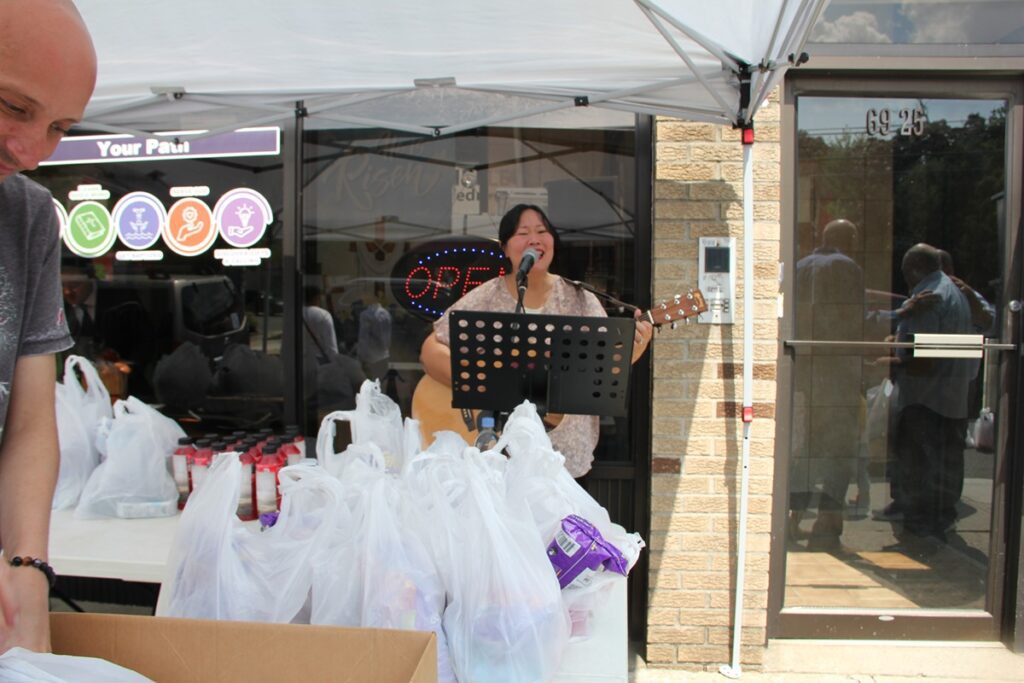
{"type": "Point", "coordinates": [29, 459]}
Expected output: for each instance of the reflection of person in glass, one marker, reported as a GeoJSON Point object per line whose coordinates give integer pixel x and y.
{"type": "Point", "coordinates": [374, 346]}
{"type": "Point", "coordinates": [931, 421]}
{"type": "Point", "coordinates": [830, 306]}
{"type": "Point", "coordinates": [319, 325]}
{"type": "Point", "coordinates": [527, 227]}
{"type": "Point", "coordinates": [79, 289]}
{"type": "Point", "coordinates": [331, 379]}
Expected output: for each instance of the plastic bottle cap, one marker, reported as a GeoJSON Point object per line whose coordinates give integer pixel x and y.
{"type": "Point", "coordinates": [185, 441]}
{"type": "Point", "coordinates": [487, 422]}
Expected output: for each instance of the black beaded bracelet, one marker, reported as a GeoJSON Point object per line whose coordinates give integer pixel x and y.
{"type": "Point", "coordinates": [26, 561]}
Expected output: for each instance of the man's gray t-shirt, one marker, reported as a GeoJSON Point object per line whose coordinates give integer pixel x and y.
{"type": "Point", "coordinates": [31, 305]}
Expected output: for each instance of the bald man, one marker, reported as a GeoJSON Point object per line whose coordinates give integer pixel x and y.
{"type": "Point", "coordinates": [47, 74]}
{"type": "Point", "coordinates": [931, 417]}
{"type": "Point", "coordinates": [827, 385]}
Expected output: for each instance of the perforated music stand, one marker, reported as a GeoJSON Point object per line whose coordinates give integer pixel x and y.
{"type": "Point", "coordinates": [562, 364]}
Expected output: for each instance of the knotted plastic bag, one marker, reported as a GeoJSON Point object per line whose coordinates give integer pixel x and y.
{"type": "Point", "coordinates": [536, 475]}
{"type": "Point", "coordinates": [80, 411]}
{"type": "Point", "coordinates": [389, 578]}
{"type": "Point", "coordinates": [222, 569]}
{"type": "Point", "coordinates": [376, 420]}
{"type": "Point", "coordinates": [134, 480]}
{"type": "Point", "coordinates": [505, 620]}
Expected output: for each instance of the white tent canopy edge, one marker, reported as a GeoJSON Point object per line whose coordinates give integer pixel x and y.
{"type": "Point", "coordinates": [434, 68]}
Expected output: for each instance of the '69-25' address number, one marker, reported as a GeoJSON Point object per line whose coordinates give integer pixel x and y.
{"type": "Point", "coordinates": [905, 121]}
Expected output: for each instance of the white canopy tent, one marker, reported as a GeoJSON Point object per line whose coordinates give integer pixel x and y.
{"type": "Point", "coordinates": [435, 67]}
{"type": "Point", "coordinates": [441, 67]}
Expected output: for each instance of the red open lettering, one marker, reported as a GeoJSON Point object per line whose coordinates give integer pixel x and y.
{"type": "Point", "coordinates": [425, 276]}
{"type": "Point", "coordinates": [441, 281]}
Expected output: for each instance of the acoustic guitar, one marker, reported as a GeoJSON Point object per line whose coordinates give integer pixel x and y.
{"type": "Point", "coordinates": [432, 401]}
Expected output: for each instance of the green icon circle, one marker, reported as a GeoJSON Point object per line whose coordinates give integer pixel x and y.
{"type": "Point", "coordinates": [90, 231]}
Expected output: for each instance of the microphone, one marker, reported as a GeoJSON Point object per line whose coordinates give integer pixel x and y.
{"type": "Point", "coordinates": [530, 257]}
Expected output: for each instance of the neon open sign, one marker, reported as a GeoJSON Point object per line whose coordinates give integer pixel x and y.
{"type": "Point", "coordinates": [433, 276]}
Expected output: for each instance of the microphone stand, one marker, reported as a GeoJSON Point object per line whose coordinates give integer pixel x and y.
{"type": "Point", "coordinates": [602, 295]}
{"type": "Point", "coordinates": [521, 282]}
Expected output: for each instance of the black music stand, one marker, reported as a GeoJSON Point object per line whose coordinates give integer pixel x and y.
{"type": "Point", "coordinates": [562, 364]}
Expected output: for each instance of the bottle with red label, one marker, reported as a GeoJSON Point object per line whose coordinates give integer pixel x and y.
{"type": "Point", "coordinates": [267, 496]}
{"type": "Point", "coordinates": [247, 486]}
{"type": "Point", "coordinates": [295, 436]}
{"type": "Point", "coordinates": [179, 468]}
{"type": "Point", "coordinates": [201, 459]}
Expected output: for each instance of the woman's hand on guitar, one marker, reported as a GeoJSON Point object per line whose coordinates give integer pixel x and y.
{"type": "Point", "coordinates": [644, 332]}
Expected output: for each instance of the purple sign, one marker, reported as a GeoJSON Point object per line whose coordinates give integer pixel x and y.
{"type": "Point", "coordinates": [91, 149]}
{"type": "Point", "coordinates": [139, 217]}
{"type": "Point", "coordinates": [242, 216]}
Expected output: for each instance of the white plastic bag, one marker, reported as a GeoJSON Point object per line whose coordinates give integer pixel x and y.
{"type": "Point", "coordinates": [505, 621]}
{"type": "Point", "coordinates": [80, 411]}
{"type": "Point", "coordinates": [134, 480]}
{"type": "Point", "coordinates": [221, 569]}
{"type": "Point", "coordinates": [536, 475]}
{"type": "Point", "coordinates": [880, 400]}
{"type": "Point", "coordinates": [377, 420]}
{"type": "Point", "coordinates": [19, 665]}
{"type": "Point", "coordinates": [984, 432]}
{"type": "Point", "coordinates": [382, 575]}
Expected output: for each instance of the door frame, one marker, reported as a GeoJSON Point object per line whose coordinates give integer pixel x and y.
{"type": "Point", "coordinates": [1005, 585]}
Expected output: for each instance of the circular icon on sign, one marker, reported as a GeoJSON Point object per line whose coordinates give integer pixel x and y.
{"type": "Point", "coordinates": [189, 229]}
{"type": "Point", "coordinates": [90, 232]}
{"type": "Point", "coordinates": [62, 217]}
{"type": "Point", "coordinates": [242, 216]}
{"type": "Point", "coordinates": [139, 218]}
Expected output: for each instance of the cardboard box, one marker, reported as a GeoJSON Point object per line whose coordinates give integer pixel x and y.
{"type": "Point", "coordinates": [196, 651]}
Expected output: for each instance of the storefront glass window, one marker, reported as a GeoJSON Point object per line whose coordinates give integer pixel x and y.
{"type": "Point", "coordinates": [921, 22]}
{"type": "Point", "coordinates": [397, 227]}
{"type": "Point", "coordinates": [172, 279]}
{"type": "Point", "coordinates": [892, 470]}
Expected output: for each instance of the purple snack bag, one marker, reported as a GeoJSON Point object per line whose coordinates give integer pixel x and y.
{"type": "Point", "coordinates": [578, 550]}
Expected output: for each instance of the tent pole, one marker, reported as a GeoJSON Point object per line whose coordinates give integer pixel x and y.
{"type": "Point", "coordinates": [733, 669]}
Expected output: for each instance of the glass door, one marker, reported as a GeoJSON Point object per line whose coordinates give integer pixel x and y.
{"type": "Point", "coordinates": [894, 351]}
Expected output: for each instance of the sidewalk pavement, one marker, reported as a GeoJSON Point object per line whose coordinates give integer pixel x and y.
{"type": "Point", "coordinates": [845, 661]}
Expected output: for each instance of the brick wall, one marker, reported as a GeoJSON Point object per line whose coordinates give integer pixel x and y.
{"type": "Point", "coordinates": [698, 388]}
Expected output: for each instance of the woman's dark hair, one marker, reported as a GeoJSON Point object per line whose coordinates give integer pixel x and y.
{"type": "Point", "coordinates": [510, 221]}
